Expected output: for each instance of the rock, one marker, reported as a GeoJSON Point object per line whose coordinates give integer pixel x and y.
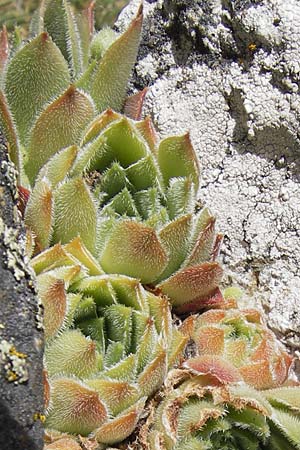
{"type": "Point", "coordinates": [21, 334]}
{"type": "Point", "coordinates": [228, 71]}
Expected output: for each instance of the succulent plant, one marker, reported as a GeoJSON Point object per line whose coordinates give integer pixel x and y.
{"type": "Point", "coordinates": [64, 74]}
{"type": "Point", "coordinates": [236, 344]}
{"type": "Point", "coordinates": [116, 233]}
{"type": "Point", "coordinates": [138, 217]}
{"type": "Point", "coordinates": [109, 344]}
{"type": "Point", "coordinates": [194, 415]}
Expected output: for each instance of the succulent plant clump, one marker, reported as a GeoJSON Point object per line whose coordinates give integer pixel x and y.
{"type": "Point", "coordinates": [194, 415]}
{"type": "Point", "coordinates": [117, 238]}
{"type": "Point", "coordinates": [236, 344]}
{"type": "Point", "coordinates": [109, 344]}
{"type": "Point", "coordinates": [138, 217]}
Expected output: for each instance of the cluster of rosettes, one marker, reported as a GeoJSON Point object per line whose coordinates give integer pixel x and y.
{"type": "Point", "coordinates": [138, 217]}
{"type": "Point", "coordinates": [196, 415]}
{"type": "Point", "coordinates": [109, 344]}
{"type": "Point", "coordinates": [235, 345]}
{"type": "Point", "coordinates": [117, 238]}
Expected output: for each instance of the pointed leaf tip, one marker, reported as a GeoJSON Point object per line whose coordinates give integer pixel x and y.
{"type": "Point", "coordinates": [46, 73]}
{"type": "Point", "coordinates": [115, 67]}
{"type": "Point", "coordinates": [61, 124]}
{"type": "Point", "coordinates": [177, 158]}
{"type": "Point", "coordinates": [192, 284]}
{"type": "Point", "coordinates": [134, 250]}
{"type": "Point", "coordinates": [134, 105]}
{"type": "Point", "coordinates": [4, 48]}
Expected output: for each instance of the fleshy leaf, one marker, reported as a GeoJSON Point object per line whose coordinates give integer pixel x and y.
{"type": "Point", "coordinates": [4, 49]}
{"type": "Point", "coordinates": [214, 366]}
{"type": "Point", "coordinates": [38, 67]}
{"type": "Point", "coordinates": [192, 283]}
{"type": "Point", "coordinates": [60, 24]}
{"type": "Point", "coordinates": [122, 426]}
{"type": "Point", "coordinates": [63, 444]}
{"type": "Point", "coordinates": [111, 77]}
{"type": "Point", "coordinates": [134, 104]}
{"type": "Point", "coordinates": [50, 259]}
{"type": "Point", "coordinates": [175, 240]}
{"type": "Point", "coordinates": [180, 197]}
{"type": "Point", "coordinates": [147, 130]}
{"type": "Point", "coordinates": [53, 295]}
{"type": "Point", "coordinates": [68, 116]}
{"type": "Point", "coordinates": [71, 354]}
{"type": "Point", "coordinates": [75, 214]}
{"type": "Point", "coordinates": [9, 130]}
{"type": "Point", "coordinates": [177, 158]}
{"type": "Point", "coordinates": [142, 254]}
{"type": "Point", "coordinates": [74, 407]}
{"type": "Point", "coordinates": [102, 41]}
{"type": "Point", "coordinates": [288, 397]}
{"type": "Point", "coordinates": [117, 395]}
{"type": "Point", "coordinates": [78, 250]}
{"type": "Point", "coordinates": [85, 21]}
{"type": "Point", "coordinates": [57, 168]}
{"type": "Point", "coordinates": [40, 224]}
{"type": "Point", "coordinates": [154, 374]}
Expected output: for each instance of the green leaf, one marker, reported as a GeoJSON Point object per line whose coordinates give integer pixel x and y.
{"type": "Point", "coordinates": [38, 67]}
{"type": "Point", "coordinates": [75, 214]}
{"type": "Point", "coordinates": [41, 200]}
{"type": "Point", "coordinates": [122, 426]}
{"type": "Point", "coordinates": [177, 158]}
{"type": "Point", "coordinates": [180, 197]}
{"type": "Point", "coordinates": [117, 395]}
{"type": "Point", "coordinates": [60, 24]}
{"type": "Point", "coordinates": [9, 130]}
{"type": "Point", "coordinates": [53, 295]}
{"type": "Point", "coordinates": [102, 41]}
{"type": "Point", "coordinates": [123, 371]}
{"type": "Point", "coordinates": [123, 204]}
{"type": "Point", "coordinates": [133, 249]}
{"type": "Point", "coordinates": [57, 168]}
{"type": "Point", "coordinates": [113, 180]}
{"type": "Point", "coordinates": [111, 77]}
{"type": "Point", "coordinates": [148, 204]}
{"type": "Point", "coordinates": [85, 22]}
{"type": "Point", "coordinates": [175, 239]}
{"type": "Point", "coordinates": [60, 125]}
{"type": "Point", "coordinates": [75, 408]}
{"type": "Point", "coordinates": [286, 396]}
{"type": "Point", "coordinates": [114, 353]}
{"type": "Point", "coordinates": [71, 353]}
{"type": "Point", "coordinates": [143, 174]}
{"type": "Point", "coordinates": [4, 51]}
{"type": "Point", "coordinates": [95, 329]}
{"type": "Point", "coordinates": [192, 283]}
{"type": "Point", "coordinates": [118, 323]}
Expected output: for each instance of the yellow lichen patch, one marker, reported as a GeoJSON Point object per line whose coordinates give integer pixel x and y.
{"type": "Point", "coordinates": [13, 351]}
{"type": "Point", "coordinates": [39, 416]}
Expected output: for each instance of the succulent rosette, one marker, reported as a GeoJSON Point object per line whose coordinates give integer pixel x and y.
{"type": "Point", "coordinates": [234, 345]}
{"type": "Point", "coordinates": [107, 178]}
{"type": "Point", "coordinates": [132, 200]}
{"type": "Point", "coordinates": [53, 85]}
{"type": "Point", "coordinates": [109, 344]}
{"type": "Point", "coordinates": [193, 415]}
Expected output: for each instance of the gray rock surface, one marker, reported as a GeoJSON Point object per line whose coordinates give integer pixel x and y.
{"type": "Point", "coordinates": [21, 333]}
{"type": "Point", "coordinates": [229, 71]}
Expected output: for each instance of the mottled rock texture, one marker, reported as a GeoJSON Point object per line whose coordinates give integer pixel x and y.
{"type": "Point", "coordinates": [229, 71]}
{"type": "Point", "coordinates": [21, 336]}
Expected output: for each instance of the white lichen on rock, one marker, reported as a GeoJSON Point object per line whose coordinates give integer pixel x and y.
{"type": "Point", "coordinates": [14, 362]}
{"type": "Point", "coordinates": [229, 72]}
